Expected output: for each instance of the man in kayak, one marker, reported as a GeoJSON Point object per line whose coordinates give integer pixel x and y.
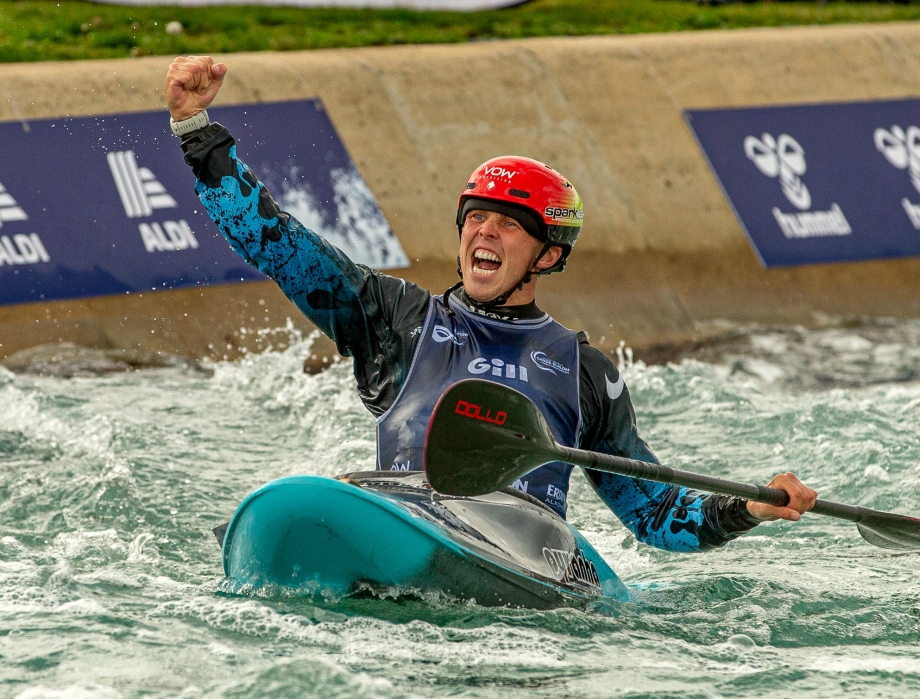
{"type": "Point", "coordinates": [518, 219]}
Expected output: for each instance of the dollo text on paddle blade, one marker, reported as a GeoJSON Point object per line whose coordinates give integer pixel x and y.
{"type": "Point", "coordinates": [477, 423]}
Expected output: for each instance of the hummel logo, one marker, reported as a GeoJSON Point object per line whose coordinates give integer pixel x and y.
{"type": "Point", "coordinates": [784, 157]}
{"type": "Point", "coordinates": [781, 157]}
{"type": "Point", "coordinates": [902, 149]}
{"type": "Point", "coordinates": [9, 209]}
{"type": "Point", "coordinates": [139, 189]}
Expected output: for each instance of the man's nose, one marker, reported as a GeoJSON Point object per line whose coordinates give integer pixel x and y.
{"type": "Point", "coordinates": [489, 228]}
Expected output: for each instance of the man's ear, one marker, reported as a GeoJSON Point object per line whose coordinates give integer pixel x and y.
{"type": "Point", "coordinates": [550, 258]}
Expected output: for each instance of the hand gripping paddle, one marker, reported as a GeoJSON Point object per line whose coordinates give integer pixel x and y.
{"type": "Point", "coordinates": [483, 436]}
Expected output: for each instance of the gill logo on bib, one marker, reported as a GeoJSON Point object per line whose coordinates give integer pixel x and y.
{"type": "Point", "coordinates": [497, 367]}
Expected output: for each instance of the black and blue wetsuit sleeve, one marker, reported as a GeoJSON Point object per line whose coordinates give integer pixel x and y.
{"type": "Point", "coordinates": [369, 315]}
{"type": "Point", "coordinates": [323, 283]}
{"type": "Point", "coordinates": [666, 516]}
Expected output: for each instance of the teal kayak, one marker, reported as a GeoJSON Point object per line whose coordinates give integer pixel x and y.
{"type": "Point", "coordinates": [390, 532]}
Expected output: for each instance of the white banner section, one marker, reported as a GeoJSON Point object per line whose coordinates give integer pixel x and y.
{"type": "Point", "coordinates": [448, 5]}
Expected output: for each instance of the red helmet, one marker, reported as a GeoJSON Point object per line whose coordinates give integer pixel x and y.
{"type": "Point", "coordinates": [514, 185]}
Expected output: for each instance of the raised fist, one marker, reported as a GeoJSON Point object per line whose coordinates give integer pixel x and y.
{"type": "Point", "coordinates": [191, 85]}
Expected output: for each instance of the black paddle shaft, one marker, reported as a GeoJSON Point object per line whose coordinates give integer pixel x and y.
{"type": "Point", "coordinates": [483, 435]}
{"type": "Point", "coordinates": [698, 481]}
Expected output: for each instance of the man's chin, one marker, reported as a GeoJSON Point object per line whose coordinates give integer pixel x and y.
{"type": "Point", "coordinates": [478, 293]}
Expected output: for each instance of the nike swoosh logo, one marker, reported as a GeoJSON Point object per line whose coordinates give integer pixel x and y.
{"type": "Point", "coordinates": [615, 390]}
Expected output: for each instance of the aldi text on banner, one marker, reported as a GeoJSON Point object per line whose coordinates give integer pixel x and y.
{"type": "Point", "coordinates": [106, 205]}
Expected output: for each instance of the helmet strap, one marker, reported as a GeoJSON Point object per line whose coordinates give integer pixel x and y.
{"type": "Point", "coordinates": [540, 272]}
{"type": "Point", "coordinates": [448, 293]}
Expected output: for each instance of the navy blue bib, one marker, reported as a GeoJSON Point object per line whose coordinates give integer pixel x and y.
{"type": "Point", "coordinates": [538, 357]}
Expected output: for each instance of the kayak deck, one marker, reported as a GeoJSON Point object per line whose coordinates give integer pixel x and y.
{"type": "Point", "coordinates": [382, 530]}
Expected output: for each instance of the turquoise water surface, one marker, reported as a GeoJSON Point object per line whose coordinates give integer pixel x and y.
{"type": "Point", "coordinates": [110, 580]}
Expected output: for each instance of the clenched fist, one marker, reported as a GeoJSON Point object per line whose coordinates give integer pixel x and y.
{"type": "Point", "coordinates": [192, 83]}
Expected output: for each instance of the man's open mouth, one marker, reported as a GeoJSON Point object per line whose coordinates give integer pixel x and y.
{"type": "Point", "coordinates": [485, 262]}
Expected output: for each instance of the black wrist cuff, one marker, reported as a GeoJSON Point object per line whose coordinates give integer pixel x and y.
{"type": "Point", "coordinates": [734, 517]}
{"type": "Point", "coordinates": [195, 138]}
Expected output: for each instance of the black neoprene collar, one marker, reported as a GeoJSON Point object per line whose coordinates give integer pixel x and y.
{"type": "Point", "coordinates": [527, 311]}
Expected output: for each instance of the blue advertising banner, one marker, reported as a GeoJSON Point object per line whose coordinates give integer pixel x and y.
{"type": "Point", "coordinates": [819, 183]}
{"type": "Point", "coordinates": [106, 205]}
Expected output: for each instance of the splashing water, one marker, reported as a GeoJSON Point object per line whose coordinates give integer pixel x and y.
{"type": "Point", "coordinates": [110, 579]}
{"type": "Point", "coordinates": [358, 228]}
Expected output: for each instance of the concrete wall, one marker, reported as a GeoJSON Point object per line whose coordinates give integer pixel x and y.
{"type": "Point", "coordinates": [661, 256]}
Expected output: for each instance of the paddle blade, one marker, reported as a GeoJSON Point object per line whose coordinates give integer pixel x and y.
{"type": "Point", "coordinates": [220, 532]}
{"type": "Point", "coordinates": [482, 436]}
{"type": "Point", "coordinates": [891, 531]}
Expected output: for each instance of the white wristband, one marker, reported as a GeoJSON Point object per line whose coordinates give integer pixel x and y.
{"type": "Point", "coordinates": [199, 121]}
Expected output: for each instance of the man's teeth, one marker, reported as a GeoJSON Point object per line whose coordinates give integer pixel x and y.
{"type": "Point", "coordinates": [485, 256]}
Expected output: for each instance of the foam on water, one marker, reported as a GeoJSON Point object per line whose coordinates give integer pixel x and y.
{"type": "Point", "coordinates": [110, 580]}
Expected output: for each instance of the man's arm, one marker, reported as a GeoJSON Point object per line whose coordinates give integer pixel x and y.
{"type": "Point", "coordinates": [324, 284]}
{"type": "Point", "coordinates": [369, 315]}
{"type": "Point", "coordinates": [666, 516]}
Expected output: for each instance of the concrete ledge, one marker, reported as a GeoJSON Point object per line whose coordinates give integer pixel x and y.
{"type": "Point", "coordinates": [661, 256]}
{"type": "Point", "coordinates": [221, 322]}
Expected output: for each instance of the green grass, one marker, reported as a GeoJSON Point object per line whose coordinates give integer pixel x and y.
{"type": "Point", "coordinates": [36, 30]}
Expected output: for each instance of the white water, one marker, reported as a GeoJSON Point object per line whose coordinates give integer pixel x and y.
{"type": "Point", "coordinates": [109, 577]}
